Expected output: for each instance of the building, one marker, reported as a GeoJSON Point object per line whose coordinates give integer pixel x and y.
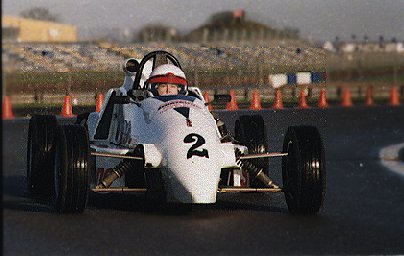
{"type": "Point", "coordinates": [15, 29]}
{"type": "Point", "coordinates": [364, 46]}
{"type": "Point", "coordinates": [157, 32]}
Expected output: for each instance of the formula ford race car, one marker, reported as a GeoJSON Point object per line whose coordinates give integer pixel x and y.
{"type": "Point", "coordinates": [168, 148]}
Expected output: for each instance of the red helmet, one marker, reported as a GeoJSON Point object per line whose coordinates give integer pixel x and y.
{"type": "Point", "coordinates": [167, 74]}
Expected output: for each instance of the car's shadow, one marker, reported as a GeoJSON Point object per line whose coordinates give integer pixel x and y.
{"type": "Point", "coordinates": [14, 185]}
{"type": "Point", "coordinates": [130, 202]}
{"type": "Point", "coordinates": [16, 197]}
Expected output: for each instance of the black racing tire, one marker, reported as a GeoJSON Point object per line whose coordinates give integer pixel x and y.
{"type": "Point", "coordinates": [251, 132]}
{"type": "Point", "coordinates": [303, 170]}
{"type": "Point", "coordinates": [72, 169]}
{"type": "Point", "coordinates": [40, 154]}
{"type": "Point", "coordinates": [82, 119]}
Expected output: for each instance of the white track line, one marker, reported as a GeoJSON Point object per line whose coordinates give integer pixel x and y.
{"type": "Point", "coordinates": [390, 158]}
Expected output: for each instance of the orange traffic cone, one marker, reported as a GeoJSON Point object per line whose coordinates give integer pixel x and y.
{"type": "Point", "coordinates": [255, 100]}
{"type": "Point", "coordinates": [207, 100]}
{"type": "Point", "coordinates": [278, 103]}
{"type": "Point", "coordinates": [7, 108]}
{"type": "Point", "coordinates": [302, 99]}
{"type": "Point", "coordinates": [67, 107]}
{"type": "Point", "coordinates": [99, 100]}
{"type": "Point", "coordinates": [346, 97]}
{"type": "Point", "coordinates": [232, 105]}
{"type": "Point", "coordinates": [369, 97]}
{"type": "Point", "coordinates": [322, 99]}
{"type": "Point", "coordinates": [394, 100]}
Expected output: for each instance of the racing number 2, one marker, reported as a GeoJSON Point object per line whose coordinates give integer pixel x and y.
{"type": "Point", "coordinates": [199, 141]}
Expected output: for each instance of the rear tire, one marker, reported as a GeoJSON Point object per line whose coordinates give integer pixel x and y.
{"type": "Point", "coordinates": [303, 170]}
{"type": "Point", "coordinates": [71, 167]}
{"type": "Point", "coordinates": [251, 132]}
{"type": "Point", "coordinates": [40, 154]}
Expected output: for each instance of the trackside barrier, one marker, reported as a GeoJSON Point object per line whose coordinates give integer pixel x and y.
{"type": "Point", "coordinates": [346, 97]}
{"type": "Point", "coordinates": [67, 107]}
{"type": "Point", "coordinates": [255, 101]}
{"type": "Point", "coordinates": [7, 112]}
{"type": "Point", "coordinates": [392, 96]}
{"type": "Point", "coordinates": [369, 97]}
{"type": "Point", "coordinates": [232, 105]}
{"type": "Point", "coordinates": [394, 100]}
{"type": "Point", "coordinates": [302, 99]}
{"type": "Point", "coordinates": [99, 100]}
{"type": "Point", "coordinates": [207, 100]}
{"type": "Point", "coordinates": [278, 103]}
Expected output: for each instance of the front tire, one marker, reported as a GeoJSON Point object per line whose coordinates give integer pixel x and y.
{"type": "Point", "coordinates": [303, 170]}
{"type": "Point", "coordinates": [40, 154]}
{"type": "Point", "coordinates": [71, 168]}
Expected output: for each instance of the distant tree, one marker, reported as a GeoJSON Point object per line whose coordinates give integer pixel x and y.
{"type": "Point", "coordinates": [39, 13]}
{"type": "Point", "coordinates": [365, 38]}
{"type": "Point", "coordinates": [225, 17]}
{"type": "Point", "coordinates": [291, 32]}
{"type": "Point", "coordinates": [156, 32]}
{"type": "Point", "coordinates": [381, 39]}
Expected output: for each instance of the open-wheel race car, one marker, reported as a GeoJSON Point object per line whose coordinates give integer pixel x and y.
{"type": "Point", "coordinates": [169, 148]}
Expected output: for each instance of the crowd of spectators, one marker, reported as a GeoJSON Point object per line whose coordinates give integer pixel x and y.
{"type": "Point", "coordinates": [27, 57]}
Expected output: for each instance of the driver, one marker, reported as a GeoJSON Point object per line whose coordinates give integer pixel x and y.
{"type": "Point", "coordinates": [167, 79]}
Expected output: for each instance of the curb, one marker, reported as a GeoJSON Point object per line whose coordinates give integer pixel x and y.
{"type": "Point", "coordinates": [392, 157]}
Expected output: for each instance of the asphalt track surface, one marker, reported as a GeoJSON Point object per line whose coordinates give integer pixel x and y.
{"type": "Point", "coordinates": [362, 212]}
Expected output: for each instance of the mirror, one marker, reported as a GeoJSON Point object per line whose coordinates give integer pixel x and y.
{"type": "Point", "coordinates": [137, 95]}
{"type": "Point", "coordinates": [132, 65]}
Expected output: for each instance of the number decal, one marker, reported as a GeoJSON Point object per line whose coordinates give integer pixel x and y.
{"type": "Point", "coordinates": [199, 141]}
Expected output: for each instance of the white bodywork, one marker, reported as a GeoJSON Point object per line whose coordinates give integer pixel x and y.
{"type": "Point", "coordinates": [179, 136]}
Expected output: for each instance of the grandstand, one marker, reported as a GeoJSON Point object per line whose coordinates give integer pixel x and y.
{"type": "Point", "coordinates": [90, 67]}
{"type": "Point", "coordinates": [109, 57]}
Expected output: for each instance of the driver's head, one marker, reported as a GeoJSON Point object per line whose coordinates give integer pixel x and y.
{"type": "Point", "coordinates": [167, 79]}
{"type": "Point", "coordinates": [167, 89]}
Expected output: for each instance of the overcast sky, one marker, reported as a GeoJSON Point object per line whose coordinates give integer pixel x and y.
{"type": "Point", "coordinates": [316, 19]}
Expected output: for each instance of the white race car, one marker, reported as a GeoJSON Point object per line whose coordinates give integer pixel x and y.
{"type": "Point", "coordinates": [169, 148]}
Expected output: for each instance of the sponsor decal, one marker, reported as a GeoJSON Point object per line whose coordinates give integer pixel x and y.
{"type": "Point", "coordinates": [189, 122]}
